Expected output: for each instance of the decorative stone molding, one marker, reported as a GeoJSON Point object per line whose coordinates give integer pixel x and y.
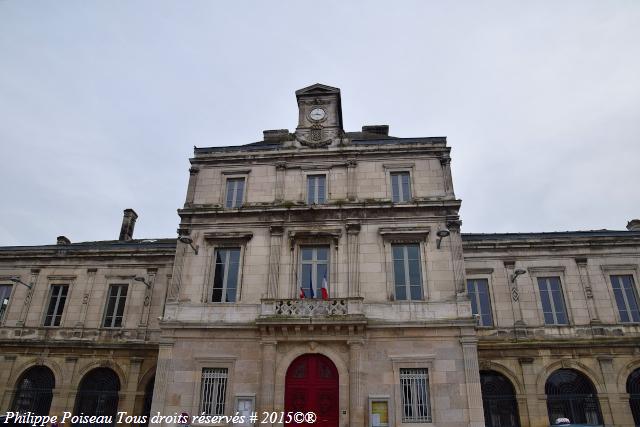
{"type": "Point", "coordinates": [314, 236]}
{"type": "Point", "coordinates": [404, 233]}
{"type": "Point", "coordinates": [228, 236]}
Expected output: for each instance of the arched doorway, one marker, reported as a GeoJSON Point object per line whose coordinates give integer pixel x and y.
{"type": "Point", "coordinates": [98, 394]}
{"type": "Point", "coordinates": [34, 391]}
{"type": "Point", "coordinates": [571, 395]}
{"type": "Point", "coordinates": [311, 384]}
{"type": "Point", "coordinates": [499, 400]}
{"type": "Point", "coordinates": [633, 388]}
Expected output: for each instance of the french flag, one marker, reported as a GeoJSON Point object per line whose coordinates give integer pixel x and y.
{"type": "Point", "coordinates": [325, 288]}
{"type": "Point", "coordinates": [301, 292]}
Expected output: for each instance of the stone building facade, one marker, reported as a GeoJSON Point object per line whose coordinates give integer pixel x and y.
{"type": "Point", "coordinates": [323, 270]}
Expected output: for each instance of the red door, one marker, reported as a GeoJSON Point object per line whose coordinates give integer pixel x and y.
{"type": "Point", "coordinates": [312, 386]}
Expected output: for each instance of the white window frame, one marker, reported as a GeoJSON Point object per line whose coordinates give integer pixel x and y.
{"type": "Point", "coordinates": [550, 271]}
{"type": "Point", "coordinates": [317, 291]}
{"type": "Point", "coordinates": [3, 315]}
{"type": "Point", "coordinates": [48, 302]}
{"type": "Point", "coordinates": [227, 175]}
{"type": "Point", "coordinates": [624, 295]}
{"type": "Point", "coordinates": [609, 270]}
{"type": "Point", "coordinates": [551, 301]}
{"type": "Point", "coordinates": [400, 168]}
{"type": "Point", "coordinates": [407, 284]}
{"type": "Point", "coordinates": [115, 308]}
{"type": "Point", "coordinates": [489, 290]}
{"type": "Point", "coordinates": [326, 189]}
{"type": "Point", "coordinates": [223, 240]}
{"type": "Point", "coordinates": [224, 285]}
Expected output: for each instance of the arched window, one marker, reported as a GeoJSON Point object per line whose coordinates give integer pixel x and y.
{"type": "Point", "coordinates": [571, 395]}
{"type": "Point", "coordinates": [98, 394]}
{"type": "Point", "coordinates": [34, 391]}
{"type": "Point", "coordinates": [498, 400]}
{"type": "Point", "coordinates": [633, 388]}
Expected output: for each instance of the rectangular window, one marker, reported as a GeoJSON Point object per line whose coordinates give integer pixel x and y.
{"type": "Point", "coordinates": [400, 187]}
{"type": "Point", "coordinates": [213, 390]}
{"type": "Point", "coordinates": [316, 189]}
{"type": "Point", "coordinates": [57, 298]}
{"type": "Point", "coordinates": [406, 272]}
{"type": "Point", "coordinates": [414, 384]}
{"type": "Point", "coordinates": [478, 290]}
{"type": "Point", "coordinates": [553, 307]}
{"type": "Point", "coordinates": [226, 274]}
{"type": "Point", "coordinates": [5, 294]}
{"type": "Point", "coordinates": [314, 269]}
{"type": "Point", "coordinates": [115, 306]}
{"type": "Point", "coordinates": [235, 192]}
{"type": "Point", "coordinates": [626, 298]}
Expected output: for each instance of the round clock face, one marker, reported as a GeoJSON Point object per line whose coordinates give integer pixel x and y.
{"type": "Point", "coordinates": [317, 114]}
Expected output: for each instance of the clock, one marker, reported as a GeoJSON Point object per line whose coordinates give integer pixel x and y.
{"type": "Point", "coordinates": [317, 114]}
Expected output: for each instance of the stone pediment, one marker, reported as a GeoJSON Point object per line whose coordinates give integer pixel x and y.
{"type": "Point", "coordinates": [317, 89]}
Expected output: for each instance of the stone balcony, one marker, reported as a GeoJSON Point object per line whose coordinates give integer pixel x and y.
{"type": "Point", "coordinates": [330, 310]}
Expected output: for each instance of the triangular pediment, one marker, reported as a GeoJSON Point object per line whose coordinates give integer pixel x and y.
{"type": "Point", "coordinates": [317, 89]}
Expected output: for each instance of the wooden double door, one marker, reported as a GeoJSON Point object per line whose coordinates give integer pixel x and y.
{"type": "Point", "coordinates": [311, 385]}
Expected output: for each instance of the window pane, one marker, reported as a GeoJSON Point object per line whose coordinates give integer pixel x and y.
{"type": "Point", "coordinates": [473, 296]}
{"type": "Point", "coordinates": [414, 272]}
{"type": "Point", "coordinates": [230, 191]}
{"type": "Point", "coordinates": [322, 254]}
{"type": "Point", "coordinates": [306, 279]}
{"type": "Point", "coordinates": [406, 192]}
{"type": "Point", "coordinates": [321, 189]}
{"type": "Point", "coordinates": [416, 293]}
{"type": "Point", "coordinates": [546, 301]}
{"type": "Point", "coordinates": [239, 192]}
{"type": "Point", "coordinates": [485, 302]}
{"type": "Point", "coordinates": [307, 254]}
{"type": "Point", "coordinates": [618, 291]}
{"type": "Point", "coordinates": [398, 272]}
{"type": "Point", "coordinates": [311, 190]}
{"type": "Point", "coordinates": [395, 188]}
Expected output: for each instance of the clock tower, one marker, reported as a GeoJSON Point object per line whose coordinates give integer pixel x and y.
{"type": "Point", "coordinates": [319, 115]}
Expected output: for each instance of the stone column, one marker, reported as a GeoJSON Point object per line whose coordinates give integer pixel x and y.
{"type": "Point", "coordinates": [275, 249]}
{"type": "Point", "coordinates": [33, 281]}
{"type": "Point", "coordinates": [353, 248]}
{"type": "Point", "coordinates": [5, 387]}
{"type": "Point", "coordinates": [69, 383]}
{"type": "Point", "coordinates": [352, 183]}
{"type": "Point", "coordinates": [356, 404]}
{"type": "Point", "coordinates": [191, 187]}
{"type": "Point", "coordinates": [268, 381]}
{"type": "Point", "coordinates": [86, 297]}
{"type": "Point", "coordinates": [445, 162]}
{"type": "Point", "coordinates": [472, 377]}
{"type": "Point", "coordinates": [163, 372]}
{"type": "Point", "coordinates": [128, 395]}
{"type": "Point", "coordinates": [614, 406]}
{"type": "Point", "coordinates": [281, 169]}
{"type": "Point", "coordinates": [536, 405]}
{"type": "Point", "coordinates": [173, 294]}
{"type": "Point", "coordinates": [456, 255]}
{"type": "Point", "coordinates": [588, 291]}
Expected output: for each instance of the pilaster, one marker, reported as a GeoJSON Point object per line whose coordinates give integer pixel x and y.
{"type": "Point", "coordinates": [472, 376]}
{"type": "Point", "coordinates": [275, 249]}
{"type": "Point", "coordinates": [356, 406]}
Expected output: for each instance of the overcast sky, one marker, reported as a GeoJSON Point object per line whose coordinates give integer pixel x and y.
{"type": "Point", "coordinates": [101, 103]}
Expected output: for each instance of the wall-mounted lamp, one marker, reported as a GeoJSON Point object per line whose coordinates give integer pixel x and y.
{"type": "Point", "coordinates": [16, 280]}
{"type": "Point", "coordinates": [441, 235]}
{"type": "Point", "coordinates": [517, 273]}
{"type": "Point", "coordinates": [143, 280]}
{"type": "Point", "coordinates": [189, 241]}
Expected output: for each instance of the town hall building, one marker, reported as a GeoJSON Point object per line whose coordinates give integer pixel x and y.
{"type": "Point", "coordinates": [323, 270]}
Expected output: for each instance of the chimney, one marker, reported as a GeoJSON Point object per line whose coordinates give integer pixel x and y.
{"type": "Point", "coordinates": [128, 224]}
{"type": "Point", "coordinates": [377, 129]}
{"type": "Point", "coordinates": [633, 225]}
{"type": "Point", "coordinates": [63, 240]}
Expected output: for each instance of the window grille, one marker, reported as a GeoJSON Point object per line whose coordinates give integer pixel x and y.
{"type": "Point", "coordinates": [213, 391]}
{"type": "Point", "coordinates": [415, 396]}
